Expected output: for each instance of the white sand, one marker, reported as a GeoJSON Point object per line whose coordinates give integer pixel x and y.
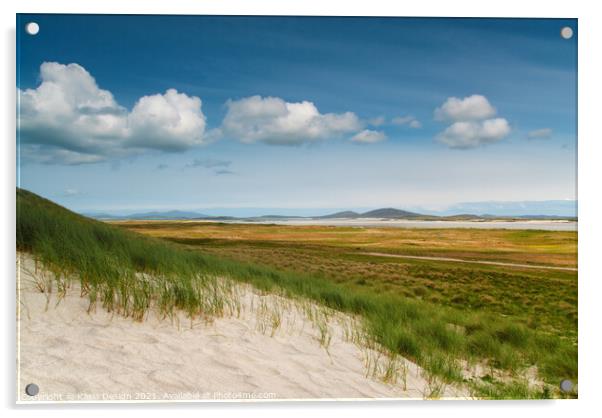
{"type": "Point", "coordinates": [75, 356]}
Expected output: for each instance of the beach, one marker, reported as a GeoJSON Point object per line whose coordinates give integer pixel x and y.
{"type": "Point", "coordinates": [73, 355]}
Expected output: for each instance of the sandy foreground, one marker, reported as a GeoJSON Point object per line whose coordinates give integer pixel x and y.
{"type": "Point", "coordinates": [270, 348]}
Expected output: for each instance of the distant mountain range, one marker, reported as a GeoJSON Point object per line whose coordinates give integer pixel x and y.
{"type": "Point", "coordinates": [383, 213]}
{"type": "Point", "coordinates": [516, 209]}
{"type": "Point", "coordinates": [168, 215]}
{"type": "Point", "coordinates": [388, 213]}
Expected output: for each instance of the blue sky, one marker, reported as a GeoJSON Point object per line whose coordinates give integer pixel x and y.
{"type": "Point", "coordinates": [250, 114]}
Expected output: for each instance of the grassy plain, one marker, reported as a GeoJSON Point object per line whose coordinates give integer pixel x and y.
{"type": "Point", "coordinates": [520, 246]}
{"type": "Point", "coordinates": [129, 273]}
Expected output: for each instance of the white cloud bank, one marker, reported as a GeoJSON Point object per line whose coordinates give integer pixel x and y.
{"type": "Point", "coordinates": [68, 119]}
{"type": "Point", "coordinates": [274, 121]}
{"type": "Point", "coordinates": [472, 122]}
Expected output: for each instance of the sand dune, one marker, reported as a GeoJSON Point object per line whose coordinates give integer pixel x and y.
{"type": "Point", "coordinates": [76, 356]}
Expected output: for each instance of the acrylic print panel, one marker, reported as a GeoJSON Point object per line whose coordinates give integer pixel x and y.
{"type": "Point", "coordinates": [261, 208]}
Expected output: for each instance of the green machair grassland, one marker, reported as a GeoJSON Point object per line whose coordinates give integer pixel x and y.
{"type": "Point", "coordinates": [430, 312]}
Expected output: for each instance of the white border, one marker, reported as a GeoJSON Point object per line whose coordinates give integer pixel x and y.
{"type": "Point", "coordinates": [590, 209]}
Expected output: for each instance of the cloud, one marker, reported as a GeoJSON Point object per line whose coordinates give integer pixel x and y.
{"type": "Point", "coordinates": [410, 121]}
{"type": "Point", "coordinates": [464, 135]}
{"type": "Point", "coordinates": [368, 136]}
{"type": "Point", "coordinates": [472, 122]}
{"type": "Point", "coordinates": [162, 166]}
{"type": "Point", "coordinates": [274, 121]}
{"type": "Point", "coordinates": [70, 113]}
{"type": "Point", "coordinates": [415, 124]}
{"type": "Point", "coordinates": [543, 133]}
{"type": "Point", "coordinates": [377, 121]}
{"type": "Point", "coordinates": [168, 122]}
{"type": "Point", "coordinates": [70, 120]}
{"type": "Point", "coordinates": [209, 163]}
{"type": "Point", "coordinates": [223, 172]}
{"type": "Point", "coordinates": [71, 193]}
{"type": "Point", "coordinates": [52, 155]}
{"type": "Point", "coordinates": [475, 107]}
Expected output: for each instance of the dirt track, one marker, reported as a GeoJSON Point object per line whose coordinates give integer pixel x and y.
{"type": "Point", "coordinates": [459, 260]}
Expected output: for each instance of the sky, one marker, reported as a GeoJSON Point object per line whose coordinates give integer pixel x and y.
{"type": "Point", "coordinates": [299, 115]}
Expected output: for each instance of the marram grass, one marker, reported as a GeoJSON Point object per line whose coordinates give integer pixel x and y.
{"type": "Point", "coordinates": [129, 273]}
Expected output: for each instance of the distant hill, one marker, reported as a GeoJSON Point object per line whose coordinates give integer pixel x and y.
{"type": "Point", "coordinates": [172, 214]}
{"type": "Point", "coordinates": [383, 213]}
{"type": "Point", "coordinates": [168, 215]}
{"type": "Point", "coordinates": [100, 216]}
{"type": "Point", "coordinates": [339, 215]}
{"type": "Point", "coordinates": [390, 213]}
{"type": "Point", "coordinates": [524, 209]}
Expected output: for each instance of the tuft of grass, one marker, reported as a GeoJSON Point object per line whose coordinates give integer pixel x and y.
{"type": "Point", "coordinates": [122, 271]}
{"type": "Point", "coordinates": [517, 389]}
{"type": "Point", "coordinates": [127, 273]}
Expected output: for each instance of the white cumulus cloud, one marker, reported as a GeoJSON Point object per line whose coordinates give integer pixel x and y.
{"type": "Point", "coordinates": [472, 122]}
{"type": "Point", "coordinates": [475, 107]}
{"type": "Point", "coordinates": [368, 136]}
{"type": "Point", "coordinates": [69, 112]}
{"type": "Point", "coordinates": [171, 122]}
{"type": "Point", "coordinates": [275, 121]}
{"type": "Point", "coordinates": [69, 119]}
{"type": "Point", "coordinates": [465, 135]}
